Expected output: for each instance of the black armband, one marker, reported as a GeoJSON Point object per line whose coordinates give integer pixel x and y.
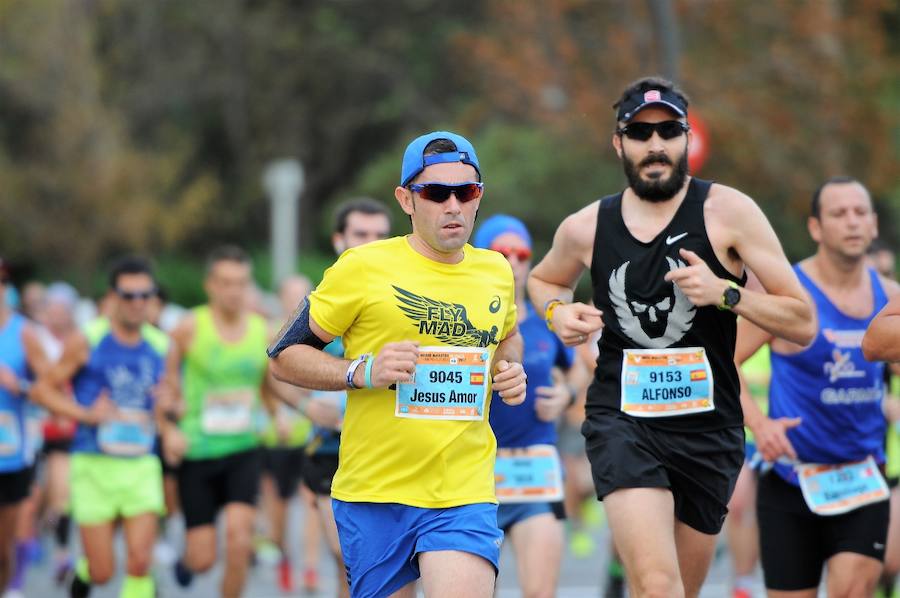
{"type": "Point", "coordinates": [296, 331]}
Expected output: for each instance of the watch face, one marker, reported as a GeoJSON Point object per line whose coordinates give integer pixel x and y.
{"type": "Point", "coordinates": [732, 296]}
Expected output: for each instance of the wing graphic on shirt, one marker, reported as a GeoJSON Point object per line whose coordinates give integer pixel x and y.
{"type": "Point", "coordinates": [447, 322]}
{"type": "Point", "coordinates": [680, 317]}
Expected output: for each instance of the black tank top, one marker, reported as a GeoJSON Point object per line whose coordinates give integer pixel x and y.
{"type": "Point", "coordinates": [643, 311]}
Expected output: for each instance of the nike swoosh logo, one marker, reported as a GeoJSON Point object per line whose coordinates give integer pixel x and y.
{"type": "Point", "coordinates": [670, 240]}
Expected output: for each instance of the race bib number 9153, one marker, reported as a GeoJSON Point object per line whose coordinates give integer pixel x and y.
{"type": "Point", "coordinates": [666, 382]}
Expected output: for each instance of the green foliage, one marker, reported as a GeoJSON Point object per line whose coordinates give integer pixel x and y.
{"type": "Point", "coordinates": [144, 126]}
{"type": "Point", "coordinates": [182, 276]}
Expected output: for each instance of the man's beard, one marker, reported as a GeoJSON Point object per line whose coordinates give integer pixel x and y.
{"type": "Point", "coordinates": [660, 189]}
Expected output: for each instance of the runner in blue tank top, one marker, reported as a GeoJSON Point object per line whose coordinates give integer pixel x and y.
{"type": "Point", "coordinates": [825, 500]}
{"type": "Point", "coordinates": [21, 357]}
{"type": "Point", "coordinates": [528, 468]}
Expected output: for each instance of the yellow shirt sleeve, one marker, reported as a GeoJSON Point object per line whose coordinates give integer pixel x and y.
{"type": "Point", "coordinates": [340, 297]}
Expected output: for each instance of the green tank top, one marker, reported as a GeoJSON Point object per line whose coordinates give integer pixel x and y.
{"type": "Point", "coordinates": [221, 382]}
{"type": "Point", "coordinates": [892, 448]}
{"type": "Point", "coordinates": [757, 371]}
{"type": "Point", "coordinates": [300, 428]}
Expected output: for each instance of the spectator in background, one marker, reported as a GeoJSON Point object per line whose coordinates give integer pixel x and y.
{"type": "Point", "coordinates": [33, 300]}
{"type": "Point", "coordinates": [882, 258]}
{"type": "Point", "coordinates": [58, 319]}
{"type": "Point", "coordinates": [284, 442]}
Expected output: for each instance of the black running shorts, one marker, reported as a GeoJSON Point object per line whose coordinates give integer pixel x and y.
{"type": "Point", "coordinates": [15, 486]}
{"type": "Point", "coordinates": [795, 543]}
{"type": "Point", "coordinates": [318, 472]}
{"type": "Point", "coordinates": [285, 465]}
{"type": "Point", "coordinates": [700, 468]}
{"type": "Point", "coordinates": [207, 485]}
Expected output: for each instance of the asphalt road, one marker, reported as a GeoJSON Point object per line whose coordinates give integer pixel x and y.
{"type": "Point", "coordinates": [581, 577]}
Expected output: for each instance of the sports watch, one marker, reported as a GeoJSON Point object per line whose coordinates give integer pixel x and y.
{"type": "Point", "coordinates": [731, 296]}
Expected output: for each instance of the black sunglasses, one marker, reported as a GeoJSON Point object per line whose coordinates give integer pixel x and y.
{"type": "Point", "coordinates": [667, 129]}
{"type": "Point", "coordinates": [439, 192]}
{"type": "Point", "coordinates": [134, 295]}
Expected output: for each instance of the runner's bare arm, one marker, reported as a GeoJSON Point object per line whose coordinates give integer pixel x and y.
{"type": "Point", "coordinates": [771, 438]}
{"type": "Point", "coordinates": [882, 340]}
{"type": "Point", "coordinates": [35, 356]}
{"type": "Point", "coordinates": [783, 309]}
{"type": "Point", "coordinates": [47, 390]}
{"type": "Point", "coordinates": [750, 337]}
{"type": "Point", "coordinates": [181, 338]}
{"type": "Point", "coordinates": [510, 348]}
{"type": "Point", "coordinates": [294, 396]}
{"type": "Point", "coordinates": [770, 434]}
{"type": "Point", "coordinates": [169, 406]}
{"type": "Point", "coordinates": [268, 394]}
{"type": "Point", "coordinates": [557, 274]}
{"type": "Point", "coordinates": [170, 401]}
{"type": "Point", "coordinates": [306, 366]}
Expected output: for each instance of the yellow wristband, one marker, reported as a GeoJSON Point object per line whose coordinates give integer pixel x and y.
{"type": "Point", "coordinates": [548, 312]}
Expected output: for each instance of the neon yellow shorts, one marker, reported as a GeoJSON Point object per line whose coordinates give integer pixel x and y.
{"type": "Point", "coordinates": [104, 488]}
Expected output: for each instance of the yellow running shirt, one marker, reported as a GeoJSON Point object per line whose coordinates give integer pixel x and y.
{"type": "Point", "coordinates": [386, 292]}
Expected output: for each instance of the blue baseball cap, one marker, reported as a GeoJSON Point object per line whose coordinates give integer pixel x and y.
{"type": "Point", "coordinates": [497, 225]}
{"type": "Point", "coordinates": [415, 162]}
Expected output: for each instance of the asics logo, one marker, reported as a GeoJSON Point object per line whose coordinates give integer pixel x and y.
{"type": "Point", "coordinates": [670, 239]}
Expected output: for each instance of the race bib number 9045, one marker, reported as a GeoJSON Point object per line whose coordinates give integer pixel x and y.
{"type": "Point", "coordinates": [449, 383]}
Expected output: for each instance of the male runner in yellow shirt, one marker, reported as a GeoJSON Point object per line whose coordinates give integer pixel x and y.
{"type": "Point", "coordinates": [424, 319]}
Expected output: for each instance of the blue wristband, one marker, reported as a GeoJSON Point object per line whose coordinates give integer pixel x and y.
{"type": "Point", "coordinates": [369, 363]}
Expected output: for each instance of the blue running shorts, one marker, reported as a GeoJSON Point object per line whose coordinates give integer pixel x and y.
{"type": "Point", "coordinates": [380, 542]}
{"type": "Point", "coordinates": [510, 514]}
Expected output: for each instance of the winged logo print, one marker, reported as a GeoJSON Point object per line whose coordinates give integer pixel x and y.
{"type": "Point", "coordinates": [417, 308]}
{"type": "Point", "coordinates": [680, 318]}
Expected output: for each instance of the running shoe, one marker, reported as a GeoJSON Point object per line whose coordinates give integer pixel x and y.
{"type": "Point", "coordinates": [582, 545]}
{"type": "Point", "coordinates": [267, 552]}
{"type": "Point", "coordinates": [615, 587]}
{"type": "Point", "coordinates": [183, 575]}
{"type": "Point", "coordinates": [285, 576]}
{"type": "Point", "coordinates": [310, 580]}
{"type": "Point", "coordinates": [61, 570]}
